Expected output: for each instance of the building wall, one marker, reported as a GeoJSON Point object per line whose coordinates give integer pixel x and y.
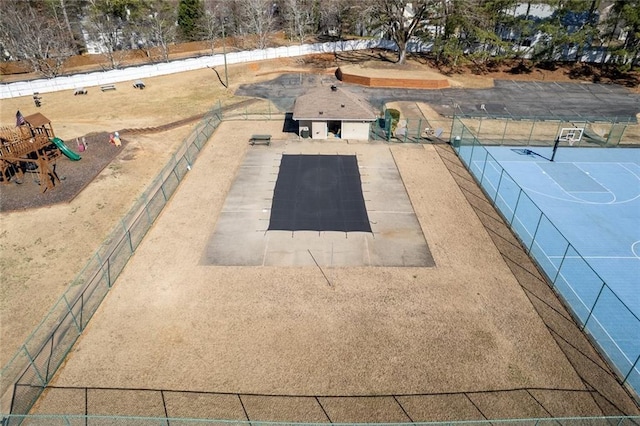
{"type": "Point", "coordinates": [355, 130]}
{"type": "Point", "coordinates": [319, 130]}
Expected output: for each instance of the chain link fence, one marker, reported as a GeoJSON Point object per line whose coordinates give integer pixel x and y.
{"type": "Point", "coordinates": [542, 131]}
{"type": "Point", "coordinates": [24, 378]}
{"type": "Point", "coordinates": [79, 420]}
{"type": "Point", "coordinates": [572, 277]}
{"type": "Point", "coordinates": [410, 130]}
{"type": "Point", "coordinates": [113, 406]}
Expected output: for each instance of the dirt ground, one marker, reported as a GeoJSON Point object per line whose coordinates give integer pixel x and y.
{"type": "Point", "coordinates": [464, 328]}
{"type": "Point", "coordinates": [42, 249]}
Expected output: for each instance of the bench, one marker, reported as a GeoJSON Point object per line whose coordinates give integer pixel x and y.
{"type": "Point", "coordinates": [265, 139]}
{"type": "Point", "coordinates": [138, 84]}
{"type": "Point", "coordinates": [108, 87]}
{"type": "Point", "coordinates": [80, 91]}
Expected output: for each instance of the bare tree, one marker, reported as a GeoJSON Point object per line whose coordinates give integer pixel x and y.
{"type": "Point", "coordinates": [213, 22]}
{"type": "Point", "coordinates": [71, 10]}
{"type": "Point", "coordinates": [259, 18]}
{"type": "Point", "coordinates": [107, 31]}
{"type": "Point", "coordinates": [157, 26]}
{"type": "Point", "coordinates": [225, 18]}
{"type": "Point", "coordinates": [34, 35]}
{"type": "Point", "coordinates": [401, 20]}
{"type": "Point", "coordinates": [112, 25]}
{"type": "Point", "coordinates": [301, 18]}
{"type": "Point", "coordinates": [341, 16]}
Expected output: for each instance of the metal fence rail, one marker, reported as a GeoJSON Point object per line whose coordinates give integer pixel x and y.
{"type": "Point", "coordinates": [589, 298]}
{"type": "Point", "coordinates": [24, 378]}
{"type": "Point", "coordinates": [410, 130]}
{"type": "Point", "coordinates": [542, 131]}
{"type": "Point", "coordinates": [79, 420]}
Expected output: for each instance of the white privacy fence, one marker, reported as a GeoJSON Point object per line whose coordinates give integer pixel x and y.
{"type": "Point", "coordinates": [98, 78]}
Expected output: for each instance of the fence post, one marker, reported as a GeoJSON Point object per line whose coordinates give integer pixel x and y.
{"type": "Point", "coordinates": [164, 194]}
{"type": "Point", "coordinates": [633, 367]}
{"type": "Point", "coordinates": [593, 307]}
{"type": "Point", "coordinates": [473, 147]}
{"type": "Point", "coordinates": [146, 207]}
{"type": "Point", "coordinates": [186, 155]}
{"type": "Point", "coordinates": [26, 351]}
{"type": "Point", "coordinates": [558, 129]}
{"type": "Point", "coordinates": [515, 208]}
{"type": "Point", "coordinates": [533, 237]}
{"type": "Point", "coordinates": [533, 124]}
{"type": "Point", "coordinates": [495, 200]}
{"type": "Point", "coordinates": [108, 272]}
{"type": "Point", "coordinates": [127, 235]}
{"type": "Point", "coordinates": [504, 132]}
{"type": "Point", "coordinates": [66, 301]}
{"type": "Point", "coordinates": [561, 263]}
{"type": "Point", "coordinates": [484, 165]}
{"type": "Point", "coordinates": [175, 163]}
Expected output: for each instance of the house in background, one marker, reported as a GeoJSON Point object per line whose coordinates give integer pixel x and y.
{"type": "Point", "coordinates": [330, 111]}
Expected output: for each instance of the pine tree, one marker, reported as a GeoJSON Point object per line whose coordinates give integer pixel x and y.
{"type": "Point", "coordinates": [190, 15]}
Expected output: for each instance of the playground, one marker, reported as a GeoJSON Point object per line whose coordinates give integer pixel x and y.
{"type": "Point", "coordinates": [32, 147]}
{"type": "Point", "coordinates": [58, 177]}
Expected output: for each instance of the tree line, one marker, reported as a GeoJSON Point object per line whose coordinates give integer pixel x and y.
{"type": "Point", "coordinates": [44, 33]}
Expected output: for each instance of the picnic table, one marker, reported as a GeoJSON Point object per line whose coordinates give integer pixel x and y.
{"type": "Point", "coordinates": [265, 139]}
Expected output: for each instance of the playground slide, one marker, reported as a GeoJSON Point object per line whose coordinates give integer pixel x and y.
{"type": "Point", "coordinates": [65, 149]}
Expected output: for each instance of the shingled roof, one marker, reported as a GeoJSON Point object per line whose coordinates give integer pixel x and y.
{"type": "Point", "coordinates": [332, 103]}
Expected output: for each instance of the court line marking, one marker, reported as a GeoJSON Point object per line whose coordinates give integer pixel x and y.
{"type": "Point", "coordinates": [571, 198]}
{"type": "Point", "coordinates": [560, 274]}
{"type": "Point", "coordinates": [611, 339]}
{"type": "Point", "coordinates": [631, 171]}
{"type": "Point", "coordinates": [554, 182]}
{"type": "Point", "coordinates": [593, 257]}
{"type": "Point", "coordinates": [489, 182]}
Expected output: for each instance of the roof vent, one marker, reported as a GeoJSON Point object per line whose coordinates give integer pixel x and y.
{"type": "Point", "coordinates": [342, 105]}
{"type": "Point", "coordinates": [333, 88]}
{"type": "Point", "coordinates": [321, 112]}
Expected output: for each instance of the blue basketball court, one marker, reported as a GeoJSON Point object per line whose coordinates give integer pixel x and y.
{"type": "Point", "coordinates": [579, 217]}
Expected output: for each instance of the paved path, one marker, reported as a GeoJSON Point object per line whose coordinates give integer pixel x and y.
{"type": "Point", "coordinates": [549, 100]}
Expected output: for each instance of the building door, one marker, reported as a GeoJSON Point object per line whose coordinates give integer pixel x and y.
{"type": "Point", "coordinates": [335, 128]}
{"type": "Point", "coordinates": [319, 130]}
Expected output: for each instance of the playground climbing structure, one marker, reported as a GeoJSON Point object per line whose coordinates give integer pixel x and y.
{"type": "Point", "coordinates": [29, 148]}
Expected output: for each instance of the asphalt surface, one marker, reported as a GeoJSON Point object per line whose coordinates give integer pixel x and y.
{"type": "Point", "coordinates": [513, 99]}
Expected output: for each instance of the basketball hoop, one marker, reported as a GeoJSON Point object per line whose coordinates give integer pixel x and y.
{"type": "Point", "coordinates": [571, 135]}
